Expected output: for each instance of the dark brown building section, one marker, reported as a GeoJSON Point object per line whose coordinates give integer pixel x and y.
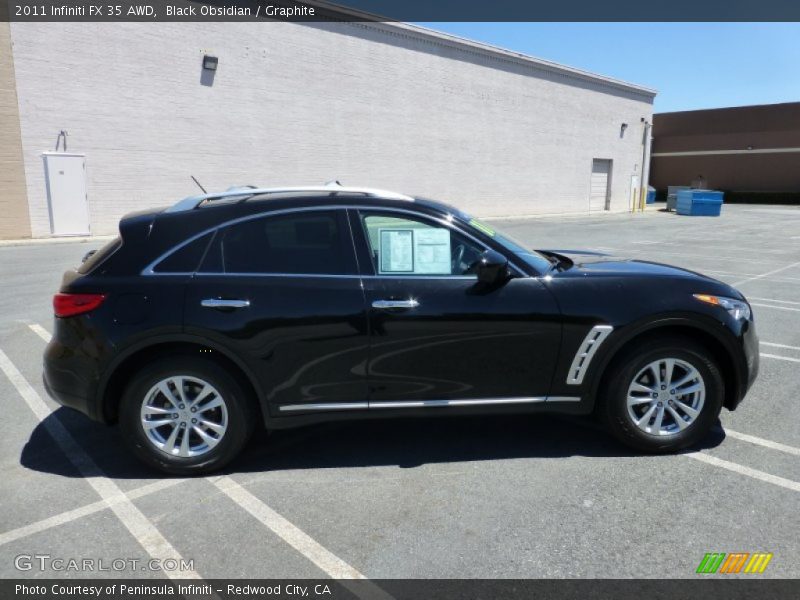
{"type": "Point", "coordinates": [742, 149]}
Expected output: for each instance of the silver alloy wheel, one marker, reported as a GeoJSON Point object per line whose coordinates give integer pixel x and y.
{"type": "Point", "coordinates": [184, 416]}
{"type": "Point", "coordinates": [666, 397]}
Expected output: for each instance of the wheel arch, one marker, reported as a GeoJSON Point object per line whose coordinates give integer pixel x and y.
{"type": "Point", "coordinates": [711, 337]}
{"type": "Point", "coordinates": [112, 386]}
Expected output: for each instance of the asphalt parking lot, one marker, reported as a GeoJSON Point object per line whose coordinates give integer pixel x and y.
{"type": "Point", "coordinates": [498, 497]}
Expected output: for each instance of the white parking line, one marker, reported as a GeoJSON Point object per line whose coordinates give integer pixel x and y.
{"type": "Point", "coordinates": [148, 536]}
{"type": "Point", "coordinates": [767, 274]}
{"type": "Point", "coordinates": [780, 345]}
{"type": "Point", "coordinates": [742, 470]}
{"type": "Point", "coordinates": [291, 534]}
{"type": "Point", "coordinates": [746, 437]}
{"type": "Point", "coordinates": [776, 357]}
{"type": "Point", "coordinates": [717, 271]}
{"type": "Point", "coordinates": [772, 300]}
{"type": "Point", "coordinates": [84, 511]}
{"type": "Point", "coordinates": [298, 539]}
{"type": "Point", "coordinates": [775, 307]}
{"type": "Point", "coordinates": [40, 331]}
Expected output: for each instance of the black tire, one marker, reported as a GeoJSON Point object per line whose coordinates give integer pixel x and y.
{"type": "Point", "coordinates": [239, 406]}
{"type": "Point", "coordinates": [613, 402]}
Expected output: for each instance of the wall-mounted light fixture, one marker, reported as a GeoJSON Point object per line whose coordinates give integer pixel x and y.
{"type": "Point", "coordinates": [622, 129]}
{"type": "Point", "coordinates": [210, 62]}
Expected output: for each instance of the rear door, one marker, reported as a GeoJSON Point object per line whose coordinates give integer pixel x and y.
{"type": "Point", "coordinates": [436, 336]}
{"type": "Point", "coordinates": [282, 291]}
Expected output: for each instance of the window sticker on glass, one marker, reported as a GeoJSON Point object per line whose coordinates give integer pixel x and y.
{"type": "Point", "coordinates": [397, 250]}
{"type": "Point", "coordinates": [432, 251]}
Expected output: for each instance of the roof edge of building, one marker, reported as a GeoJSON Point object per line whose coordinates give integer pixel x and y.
{"type": "Point", "coordinates": [367, 19]}
{"type": "Point", "coordinates": [724, 108]}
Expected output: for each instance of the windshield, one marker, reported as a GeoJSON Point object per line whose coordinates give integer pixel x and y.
{"type": "Point", "coordinates": [538, 261]}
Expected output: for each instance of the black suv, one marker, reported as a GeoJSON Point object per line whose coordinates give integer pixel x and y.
{"type": "Point", "coordinates": [298, 305]}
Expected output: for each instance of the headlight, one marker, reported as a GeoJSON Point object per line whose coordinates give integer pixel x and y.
{"type": "Point", "coordinates": [738, 309]}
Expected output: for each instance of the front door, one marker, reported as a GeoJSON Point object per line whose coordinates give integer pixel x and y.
{"type": "Point", "coordinates": [436, 336]}
{"type": "Point", "coordinates": [283, 292]}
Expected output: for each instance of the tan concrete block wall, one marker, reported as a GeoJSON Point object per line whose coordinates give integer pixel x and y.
{"type": "Point", "coordinates": [14, 216]}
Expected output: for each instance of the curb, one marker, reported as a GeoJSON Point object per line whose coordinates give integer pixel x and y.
{"type": "Point", "coordinates": [56, 240]}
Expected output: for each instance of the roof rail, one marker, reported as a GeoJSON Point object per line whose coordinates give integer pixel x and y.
{"type": "Point", "coordinates": [244, 192]}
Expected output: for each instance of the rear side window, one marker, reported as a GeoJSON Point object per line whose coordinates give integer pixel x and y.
{"type": "Point", "coordinates": [185, 259]}
{"type": "Point", "coordinates": [96, 258]}
{"type": "Point", "coordinates": [304, 243]}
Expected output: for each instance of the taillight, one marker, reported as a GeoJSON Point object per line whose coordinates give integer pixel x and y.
{"type": "Point", "coordinates": [69, 305]}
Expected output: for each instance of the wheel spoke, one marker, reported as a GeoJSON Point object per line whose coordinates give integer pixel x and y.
{"type": "Point", "coordinates": [689, 377]}
{"type": "Point", "coordinates": [178, 381]}
{"type": "Point", "coordinates": [669, 367]}
{"type": "Point", "coordinates": [678, 419]}
{"type": "Point", "coordinates": [655, 369]}
{"type": "Point", "coordinates": [185, 443]}
{"type": "Point", "coordinates": [211, 404]}
{"type": "Point", "coordinates": [636, 400]}
{"type": "Point", "coordinates": [640, 387]}
{"type": "Point", "coordinates": [645, 419]}
{"type": "Point", "coordinates": [659, 419]}
{"type": "Point", "coordinates": [202, 395]}
{"type": "Point", "coordinates": [169, 445]}
{"type": "Point", "coordinates": [216, 428]}
{"type": "Point", "coordinates": [692, 413]}
{"type": "Point", "coordinates": [155, 410]}
{"type": "Point", "coordinates": [689, 390]}
{"type": "Point", "coordinates": [156, 423]}
{"type": "Point", "coordinates": [167, 393]}
{"type": "Point", "coordinates": [208, 439]}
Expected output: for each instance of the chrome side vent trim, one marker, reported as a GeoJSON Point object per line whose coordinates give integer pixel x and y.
{"type": "Point", "coordinates": [586, 351]}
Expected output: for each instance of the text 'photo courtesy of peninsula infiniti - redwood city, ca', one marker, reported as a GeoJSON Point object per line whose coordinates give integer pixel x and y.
{"type": "Point", "coordinates": [288, 306]}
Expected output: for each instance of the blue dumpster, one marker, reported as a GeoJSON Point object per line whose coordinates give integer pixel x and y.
{"type": "Point", "coordinates": [672, 195]}
{"type": "Point", "coordinates": [706, 203]}
{"type": "Point", "coordinates": [651, 194]}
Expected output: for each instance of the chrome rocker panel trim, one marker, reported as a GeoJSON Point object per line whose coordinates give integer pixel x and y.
{"type": "Point", "coordinates": [424, 403]}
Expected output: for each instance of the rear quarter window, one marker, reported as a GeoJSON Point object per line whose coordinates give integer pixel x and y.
{"type": "Point", "coordinates": [185, 259]}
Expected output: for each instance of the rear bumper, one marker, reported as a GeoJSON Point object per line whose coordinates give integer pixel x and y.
{"type": "Point", "coordinates": [70, 378]}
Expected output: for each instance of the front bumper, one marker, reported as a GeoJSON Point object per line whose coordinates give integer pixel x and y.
{"type": "Point", "coordinates": [748, 364]}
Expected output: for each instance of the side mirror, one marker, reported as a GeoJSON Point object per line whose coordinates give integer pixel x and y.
{"type": "Point", "coordinates": [492, 268]}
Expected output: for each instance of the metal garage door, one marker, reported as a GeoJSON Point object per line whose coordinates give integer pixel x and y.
{"type": "Point", "coordinates": [598, 187]}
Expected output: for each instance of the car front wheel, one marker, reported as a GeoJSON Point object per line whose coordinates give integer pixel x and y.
{"type": "Point", "coordinates": [186, 416]}
{"type": "Point", "coordinates": [663, 395]}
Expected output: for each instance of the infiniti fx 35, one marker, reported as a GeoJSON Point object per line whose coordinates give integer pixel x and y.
{"type": "Point", "coordinates": [284, 307]}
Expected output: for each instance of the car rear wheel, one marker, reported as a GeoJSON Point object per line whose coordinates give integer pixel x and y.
{"type": "Point", "coordinates": [186, 416]}
{"type": "Point", "coordinates": [663, 395]}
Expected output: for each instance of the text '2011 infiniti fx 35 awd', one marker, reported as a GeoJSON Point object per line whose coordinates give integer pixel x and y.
{"type": "Point", "coordinates": [297, 305]}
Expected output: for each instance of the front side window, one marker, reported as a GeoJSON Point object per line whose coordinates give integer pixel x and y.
{"type": "Point", "coordinates": [304, 243]}
{"type": "Point", "coordinates": [410, 246]}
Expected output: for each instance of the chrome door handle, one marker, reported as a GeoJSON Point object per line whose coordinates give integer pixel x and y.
{"type": "Point", "coordinates": [220, 303]}
{"type": "Point", "coordinates": [387, 304]}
